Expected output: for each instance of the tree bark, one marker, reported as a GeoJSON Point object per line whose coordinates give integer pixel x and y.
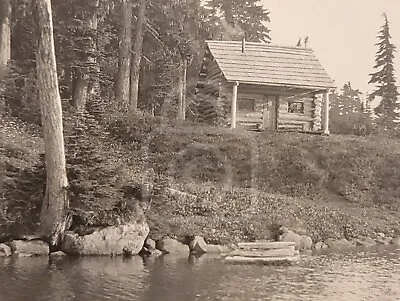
{"type": "Point", "coordinates": [182, 90]}
{"type": "Point", "coordinates": [55, 204]}
{"type": "Point", "coordinates": [137, 55]}
{"type": "Point", "coordinates": [5, 32]}
{"type": "Point", "coordinates": [124, 56]}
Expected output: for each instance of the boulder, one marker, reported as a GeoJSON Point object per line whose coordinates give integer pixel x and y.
{"type": "Point", "coordinates": [5, 250]}
{"type": "Point", "coordinates": [108, 241]}
{"type": "Point", "coordinates": [303, 242]}
{"type": "Point", "coordinates": [169, 245]}
{"type": "Point", "coordinates": [306, 243]}
{"type": "Point", "coordinates": [339, 244]}
{"type": "Point", "coordinates": [320, 246]}
{"type": "Point", "coordinates": [57, 254]}
{"type": "Point", "coordinates": [198, 245]}
{"type": "Point", "coordinates": [155, 253]}
{"type": "Point", "coordinates": [364, 241]}
{"type": "Point", "coordinates": [150, 244]}
{"type": "Point", "coordinates": [217, 249]}
{"type": "Point", "coordinates": [396, 241]}
{"type": "Point", "coordinates": [29, 248]}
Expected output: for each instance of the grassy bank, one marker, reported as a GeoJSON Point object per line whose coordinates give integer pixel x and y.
{"type": "Point", "coordinates": [236, 185]}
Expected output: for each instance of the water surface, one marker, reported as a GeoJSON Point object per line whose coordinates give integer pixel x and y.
{"type": "Point", "coordinates": [352, 276]}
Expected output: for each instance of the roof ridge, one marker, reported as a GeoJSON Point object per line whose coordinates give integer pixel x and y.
{"type": "Point", "coordinates": [309, 49]}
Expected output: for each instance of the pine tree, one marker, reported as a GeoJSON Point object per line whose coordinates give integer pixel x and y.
{"type": "Point", "coordinates": [236, 18]}
{"type": "Point", "coordinates": [384, 78]}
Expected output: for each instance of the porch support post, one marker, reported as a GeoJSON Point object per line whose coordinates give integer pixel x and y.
{"type": "Point", "coordinates": [233, 106]}
{"type": "Point", "coordinates": [326, 113]}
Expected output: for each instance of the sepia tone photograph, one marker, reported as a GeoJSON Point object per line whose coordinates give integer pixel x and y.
{"type": "Point", "coordinates": [193, 150]}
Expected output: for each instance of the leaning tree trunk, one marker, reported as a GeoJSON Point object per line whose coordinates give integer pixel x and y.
{"type": "Point", "coordinates": [55, 204]}
{"type": "Point", "coordinates": [124, 56]}
{"type": "Point", "coordinates": [137, 55]}
{"type": "Point", "coordinates": [5, 32]}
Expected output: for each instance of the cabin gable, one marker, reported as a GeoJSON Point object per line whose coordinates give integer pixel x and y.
{"type": "Point", "coordinates": [267, 87]}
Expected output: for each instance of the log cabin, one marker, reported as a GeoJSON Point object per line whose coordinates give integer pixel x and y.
{"type": "Point", "coordinates": [267, 87]}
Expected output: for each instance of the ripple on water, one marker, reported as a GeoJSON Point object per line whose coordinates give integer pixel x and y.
{"type": "Point", "coordinates": [354, 276]}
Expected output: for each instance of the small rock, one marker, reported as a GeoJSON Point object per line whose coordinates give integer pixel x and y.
{"type": "Point", "coordinates": [5, 250]}
{"type": "Point", "coordinates": [289, 236]}
{"type": "Point", "coordinates": [128, 251]}
{"type": "Point", "coordinates": [364, 241]}
{"type": "Point", "coordinates": [169, 245]}
{"type": "Point", "coordinates": [150, 244]}
{"type": "Point", "coordinates": [217, 249]}
{"type": "Point", "coordinates": [320, 246]}
{"type": "Point", "coordinates": [340, 244]}
{"type": "Point", "coordinates": [383, 240]}
{"type": "Point", "coordinates": [57, 254]}
{"type": "Point", "coordinates": [30, 248]}
{"type": "Point", "coordinates": [396, 241]}
{"type": "Point", "coordinates": [305, 243]}
{"type": "Point", "coordinates": [198, 245]}
{"type": "Point", "coordinates": [155, 253]}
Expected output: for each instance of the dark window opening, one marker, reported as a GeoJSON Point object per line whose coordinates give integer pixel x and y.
{"type": "Point", "coordinates": [296, 107]}
{"type": "Point", "coordinates": [248, 105]}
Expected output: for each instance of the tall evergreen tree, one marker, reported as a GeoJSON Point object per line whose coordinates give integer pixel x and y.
{"type": "Point", "coordinates": [384, 78]}
{"type": "Point", "coordinates": [237, 18]}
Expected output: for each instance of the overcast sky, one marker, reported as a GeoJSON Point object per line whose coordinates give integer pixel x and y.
{"type": "Point", "coordinates": [341, 32]}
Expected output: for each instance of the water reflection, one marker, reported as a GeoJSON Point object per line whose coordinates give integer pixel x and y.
{"type": "Point", "coordinates": [358, 275]}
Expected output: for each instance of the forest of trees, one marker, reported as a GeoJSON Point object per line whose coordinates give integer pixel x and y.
{"type": "Point", "coordinates": [353, 113]}
{"type": "Point", "coordinates": [71, 62]}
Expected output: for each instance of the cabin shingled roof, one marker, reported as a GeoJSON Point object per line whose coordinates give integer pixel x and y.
{"type": "Point", "coordinates": [264, 64]}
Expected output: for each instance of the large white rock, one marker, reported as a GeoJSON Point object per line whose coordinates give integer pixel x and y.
{"type": "Point", "coordinates": [29, 248]}
{"type": "Point", "coordinates": [108, 241]}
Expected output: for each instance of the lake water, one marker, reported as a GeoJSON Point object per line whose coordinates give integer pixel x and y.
{"type": "Point", "coordinates": [352, 276]}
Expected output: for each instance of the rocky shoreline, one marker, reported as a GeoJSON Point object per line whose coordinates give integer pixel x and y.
{"type": "Point", "coordinates": [132, 240]}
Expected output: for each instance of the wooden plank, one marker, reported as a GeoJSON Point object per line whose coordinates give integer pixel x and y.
{"type": "Point", "coordinates": [266, 245]}
{"type": "Point", "coordinates": [285, 252]}
{"type": "Point", "coordinates": [264, 261]}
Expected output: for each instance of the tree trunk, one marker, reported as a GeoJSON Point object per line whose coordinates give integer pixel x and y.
{"type": "Point", "coordinates": [81, 91]}
{"type": "Point", "coordinates": [55, 204]}
{"type": "Point", "coordinates": [5, 32]}
{"type": "Point", "coordinates": [124, 55]}
{"type": "Point", "coordinates": [182, 90]}
{"type": "Point", "coordinates": [137, 55]}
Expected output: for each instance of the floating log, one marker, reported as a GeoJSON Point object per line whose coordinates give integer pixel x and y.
{"type": "Point", "coordinates": [265, 253]}
{"type": "Point", "coordinates": [267, 245]}
{"type": "Point", "coordinates": [261, 260]}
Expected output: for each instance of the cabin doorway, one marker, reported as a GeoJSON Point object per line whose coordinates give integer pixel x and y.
{"type": "Point", "coordinates": [270, 112]}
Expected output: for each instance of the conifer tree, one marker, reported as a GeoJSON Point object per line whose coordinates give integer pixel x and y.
{"type": "Point", "coordinates": [236, 18]}
{"type": "Point", "coordinates": [384, 78]}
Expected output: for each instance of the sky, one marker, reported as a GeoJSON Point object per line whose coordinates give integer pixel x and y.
{"type": "Point", "coordinates": [342, 33]}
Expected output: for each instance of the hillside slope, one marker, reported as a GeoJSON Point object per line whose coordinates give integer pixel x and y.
{"type": "Point", "coordinates": [236, 185]}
